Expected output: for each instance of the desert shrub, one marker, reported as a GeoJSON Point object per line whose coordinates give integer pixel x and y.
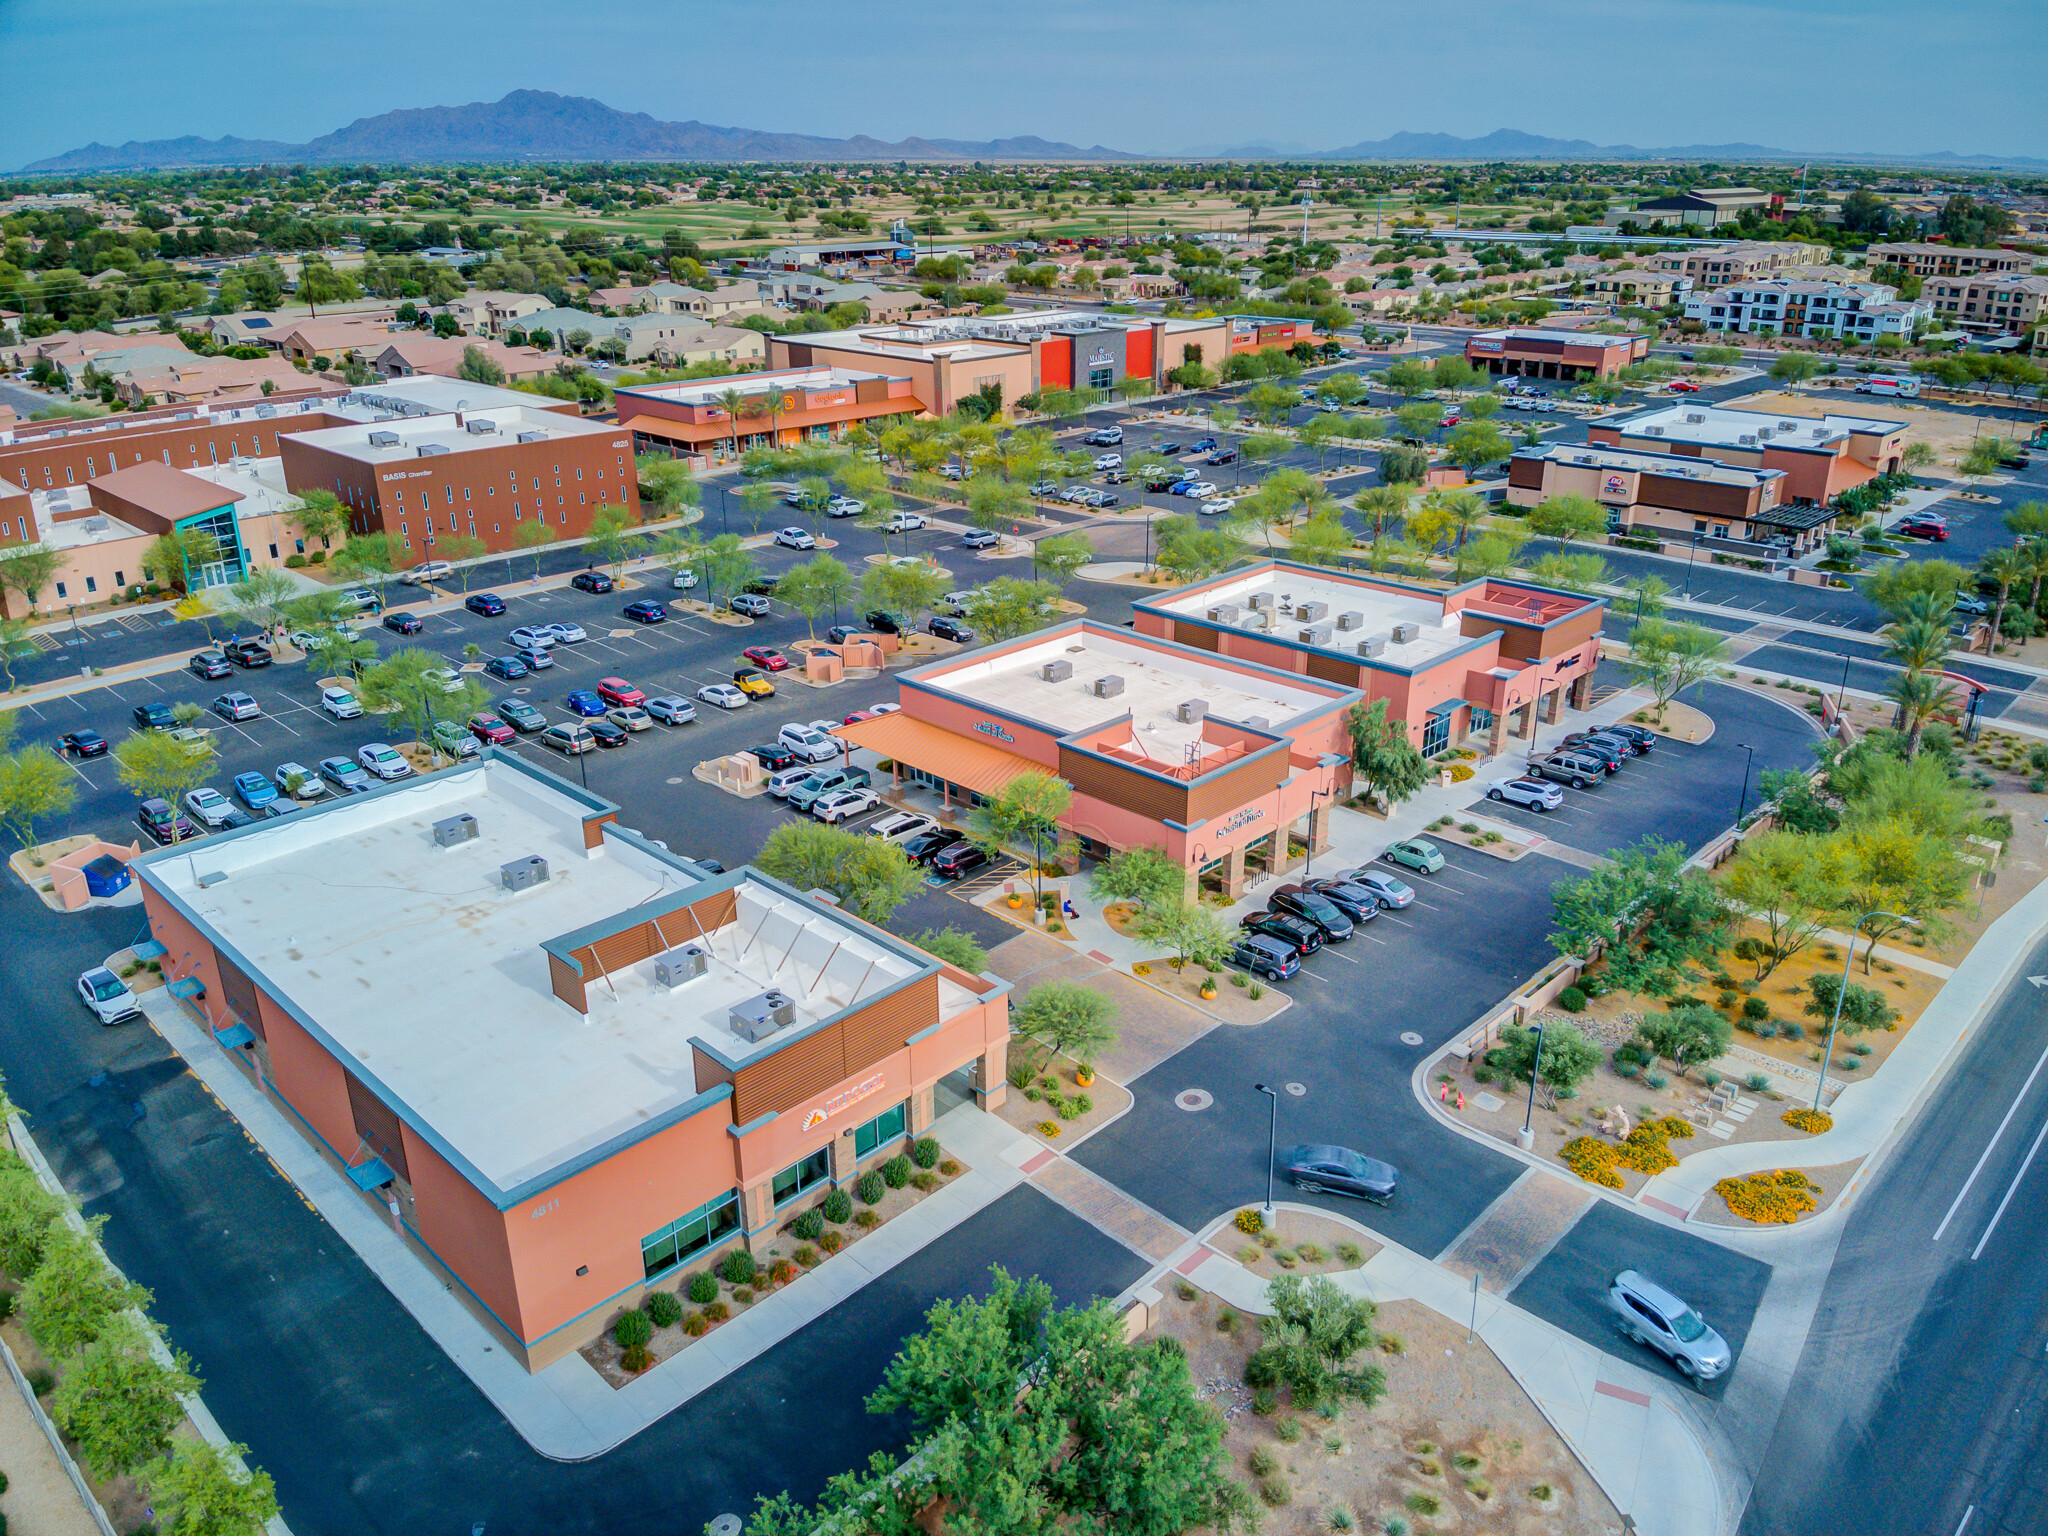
{"type": "Point", "coordinates": [782, 1271]}
{"type": "Point", "coordinates": [1755, 1008]}
{"type": "Point", "coordinates": [1249, 1221]}
{"type": "Point", "coordinates": [1571, 1000]}
{"type": "Point", "coordinates": [1810, 1120]}
{"type": "Point", "coordinates": [1226, 1321]}
{"type": "Point", "coordinates": [949, 1168]}
{"type": "Point", "coordinates": [1019, 1075]}
{"type": "Point", "coordinates": [1261, 1370]}
{"type": "Point", "coordinates": [832, 1241]}
{"type": "Point", "coordinates": [925, 1152]}
{"type": "Point", "coordinates": [871, 1187]}
{"type": "Point", "coordinates": [738, 1267]}
{"type": "Point", "coordinates": [637, 1358]}
{"type": "Point", "coordinates": [1184, 1290]}
{"type": "Point", "coordinates": [744, 1295]}
{"type": "Point", "coordinates": [703, 1288]}
{"type": "Point", "coordinates": [663, 1309]}
{"type": "Point", "coordinates": [1424, 1504]}
{"type": "Point", "coordinates": [1311, 1253]}
{"type": "Point", "coordinates": [1288, 1430]}
{"type": "Point", "coordinates": [632, 1329]}
{"type": "Point", "coordinates": [1391, 1344]}
{"type": "Point", "coordinates": [1255, 991]}
{"type": "Point", "coordinates": [1780, 1196]}
{"type": "Point", "coordinates": [805, 1255]}
{"type": "Point", "coordinates": [924, 1182]}
{"type": "Point", "coordinates": [1262, 1462]}
{"type": "Point", "coordinates": [1171, 1346]}
{"type": "Point", "coordinates": [837, 1206]}
{"type": "Point", "coordinates": [1264, 1401]}
{"type": "Point", "coordinates": [867, 1221]}
{"type": "Point", "coordinates": [810, 1226]}
{"type": "Point", "coordinates": [1658, 1080]}
{"type": "Point", "coordinates": [696, 1326]}
{"type": "Point", "coordinates": [1274, 1490]}
{"type": "Point", "coordinates": [896, 1172]}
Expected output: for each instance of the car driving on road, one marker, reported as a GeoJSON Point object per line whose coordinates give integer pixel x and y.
{"type": "Point", "coordinates": [1652, 1315]}
{"type": "Point", "coordinates": [1315, 1169]}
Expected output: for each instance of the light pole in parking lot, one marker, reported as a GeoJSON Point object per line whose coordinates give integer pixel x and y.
{"type": "Point", "coordinates": [1309, 860]}
{"type": "Point", "coordinates": [1742, 804]}
{"type": "Point", "coordinates": [1272, 1147]}
{"type": "Point", "coordinates": [1526, 1137]}
{"type": "Point", "coordinates": [1691, 555]}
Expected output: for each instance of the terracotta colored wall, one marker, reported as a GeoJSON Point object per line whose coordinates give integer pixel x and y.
{"type": "Point", "coordinates": [465, 1230]}
{"type": "Point", "coordinates": [1138, 353]}
{"type": "Point", "coordinates": [309, 1078]}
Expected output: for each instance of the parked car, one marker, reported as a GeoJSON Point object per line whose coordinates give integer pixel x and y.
{"type": "Point", "coordinates": [1355, 901]}
{"type": "Point", "coordinates": [670, 710]}
{"type": "Point", "coordinates": [1109, 461]}
{"type": "Point", "coordinates": [362, 599]}
{"type": "Point", "coordinates": [630, 717]}
{"type": "Point", "coordinates": [795, 538]}
{"type": "Point", "coordinates": [781, 782]}
{"type": "Point", "coordinates": [1416, 853]}
{"type": "Point", "coordinates": [210, 665]}
{"type": "Point", "coordinates": [1201, 490]}
{"type": "Point", "coordinates": [1265, 957]}
{"type": "Point", "coordinates": [534, 660]}
{"type": "Point", "coordinates": [566, 634]}
{"type": "Point", "coordinates": [1300, 901]}
{"type": "Point", "coordinates": [724, 695]}
{"type": "Point", "coordinates": [608, 732]}
{"type": "Point", "coordinates": [1304, 935]}
{"type": "Point", "coordinates": [616, 690]}
{"type": "Point", "coordinates": [403, 623]}
{"type": "Point", "coordinates": [810, 743]}
{"type": "Point", "coordinates": [1610, 754]}
{"type": "Point", "coordinates": [520, 715]}
{"type": "Point", "coordinates": [1654, 1316]}
{"type": "Point", "coordinates": [107, 997]}
{"type": "Point", "coordinates": [904, 522]}
{"type": "Point", "coordinates": [298, 781]}
{"type": "Point", "coordinates": [343, 774]}
{"type": "Point", "coordinates": [341, 704]}
{"type": "Point", "coordinates": [647, 611]}
{"type": "Point", "coordinates": [452, 740]}
{"type": "Point", "coordinates": [901, 826]}
{"type": "Point", "coordinates": [446, 678]}
{"type": "Point", "coordinates": [592, 581]}
{"type": "Point", "coordinates": [383, 760]}
{"type": "Point", "coordinates": [925, 846]}
{"type": "Point", "coordinates": [1530, 794]}
{"type": "Point", "coordinates": [957, 859]}
{"type": "Point", "coordinates": [752, 604]}
{"type": "Point", "coordinates": [1104, 437]}
{"type": "Point", "coordinates": [585, 702]}
{"type": "Point", "coordinates": [491, 729]}
{"type": "Point", "coordinates": [753, 683]}
{"type": "Point", "coordinates": [1217, 506]}
{"type": "Point", "coordinates": [1643, 740]}
{"type": "Point", "coordinates": [510, 668]}
{"type": "Point", "coordinates": [881, 622]}
{"type": "Point", "coordinates": [191, 740]}
{"type": "Point", "coordinates": [767, 658]}
{"type": "Point", "coordinates": [427, 571]}
{"type": "Point", "coordinates": [1340, 1171]}
{"type": "Point", "coordinates": [1573, 768]}
{"type": "Point", "coordinates": [1171, 448]}
{"type": "Point", "coordinates": [826, 781]}
{"type": "Point", "coordinates": [842, 803]}
{"type": "Point", "coordinates": [236, 706]}
{"type": "Point", "coordinates": [845, 506]}
{"type": "Point", "coordinates": [1203, 445]}
{"type": "Point", "coordinates": [1116, 477]}
{"type": "Point", "coordinates": [209, 806]}
{"type": "Point", "coordinates": [683, 581]}
{"type": "Point", "coordinates": [773, 756]}
{"type": "Point", "coordinates": [82, 744]}
{"type": "Point", "coordinates": [248, 652]}
{"type": "Point", "coordinates": [254, 790]}
{"type": "Point", "coordinates": [163, 824]}
{"type": "Point", "coordinates": [569, 736]}
{"type": "Point", "coordinates": [1684, 387]}
{"type": "Point", "coordinates": [532, 637]}
{"type": "Point", "coordinates": [951, 629]}
{"type": "Point", "coordinates": [1222, 456]}
{"type": "Point", "coordinates": [980, 538]}
{"type": "Point", "coordinates": [1044, 488]}
{"type": "Point", "coordinates": [1966, 602]}
{"type": "Point", "coordinates": [489, 604]}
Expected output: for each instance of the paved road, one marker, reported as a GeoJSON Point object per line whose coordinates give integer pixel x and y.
{"type": "Point", "coordinates": [1920, 1407]}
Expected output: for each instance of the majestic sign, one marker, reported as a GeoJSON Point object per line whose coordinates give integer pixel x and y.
{"type": "Point", "coordinates": [1100, 358]}
{"type": "Point", "coordinates": [1483, 346]}
{"type": "Point", "coordinates": [843, 1100]}
{"type": "Point", "coordinates": [990, 728]}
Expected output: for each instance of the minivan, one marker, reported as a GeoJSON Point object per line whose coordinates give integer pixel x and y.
{"type": "Point", "coordinates": [815, 784]}
{"type": "Point", "coordinates": [570, 738]}
{"type": "Point", "coordinates": [1573, 768]}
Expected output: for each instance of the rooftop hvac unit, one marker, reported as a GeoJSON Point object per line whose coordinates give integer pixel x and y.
{"type": "Point", "coordinates": [1056, 671]}
{"type": "Point", "coordinates": [1353, 620]}
{"type": "Point", "coordinates": [1694, 417]}
{"type": "Point", "coordinates": [1653, 431]}
{"type": "Point", "coordinates": [1788, 426]}
{"type": "Point", "coordinates": [1747, 440]}
{"type": "Point", "coordinates": [266, 410]}
{"type": "Point", "coordinates": [480, 428]}
{"type": "Point", "coordinates": [450, 830]}
{"type": "Point", "coordinates": [1107, 687]}
{"type": "Point", "coordinates": [1310, 613]}
{"type": "Point", "coordinates": [679, 965]}
{"type": "Point", "coordinates": [1224, 613]}
{"type": "Point", "coordinates": [432, 450]}
{"type": "Point", "coordinates": [523, 874]}
{"type": "Point", "coordinates": [1403, 633]}
{"type": "Point", "coordinates": [96, 525]}
{"type": "Point", "coordinates": [1256, 619]}
{"type": "Point", "coordinates": [1191, 710]}
{"type": "Point", "coordinates": [1374, 646]}
{"type": "Point", "coordinates": [1314, 634]}
{"type": "Point", "coordinates": [1259, 600]}
{"type": "Point", "coordinates": [533, 437]}
{"type": "Point", "coordinates": [383, 439]}
{"type": "Point", "coordinates": [760, 1016]}
{"type": "Point", "coordinates": [1259, 723]}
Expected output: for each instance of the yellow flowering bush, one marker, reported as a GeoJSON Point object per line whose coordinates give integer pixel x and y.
{"type": "Point", "coordinates": [1250, 1222]}
{"type": "Point", "coordinates": [1782, 1195]}
{"type": "Point", "coordinates": [1809, 1120]}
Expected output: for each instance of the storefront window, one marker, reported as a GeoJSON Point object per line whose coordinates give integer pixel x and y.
{"type": "Point", "coordinates": [885, 1127]}
{"type": "Point", "coordinates": [1482, 720]}
{"type": "Point", "coordinates": [802, 1175]}
{"type": "Point", "coordinates": [690, 1234]}
{"type": "Point", "coordinates": [1436, 735]}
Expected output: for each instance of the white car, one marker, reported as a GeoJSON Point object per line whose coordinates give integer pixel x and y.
{"type": "Point", "coordinates": [107, 995]}
{"type": "Point", "coordinates": [1535, 794]}
{"type": "Point", "coordinates": [209, 806]}
{"type": "Point", "coordinates": [670, 710]}
{"type": "Point", "coordinates": [1109, 461]}
{"type": "Point", "coordinates": [298, 781]}
{"type": "Point", "coordinates": [956, 603]}
{"type": "Point", "coordinates": [901, 826]}
{"type": "Point", "coordinates": [567, 634]}
{"type": "Point", "coordinates": [383, 760]}
{"type": "Point", "coordinates": [909, 560]}
{"type": "Point", "coordinates": [809, 743]}
{"type": "Point", "coordinates": [630, 717]}
{"type": "Point", "coordinates": [1216, 506]}
{"type": "Point", "coordinates": [533, 637]}
{"type": "Point", "coordinates": [883, 709]}
{"type": "Point", "coordinates": [341, 704]}
{"type": "Point", "coordinates": [684, 581]}
{"type": "Point", "coordinates": [724, 695]}
{"type": "Point", "coordinates": [844, 506]}
{"type": "Point", "coordinates": [843, 803]}
{"type": "Point", "coordinates": [903, 522]}
{"type": "Point", "coordinates": [1201, 490]}
{"type": "Point", "coordinates": [426, 571]}
{"type": "Point", "coordinates": [780, 784]}
{"type": "Point", "coordinates": [449, 679]}
{"type": "Point", "coordinates": [795, 538]}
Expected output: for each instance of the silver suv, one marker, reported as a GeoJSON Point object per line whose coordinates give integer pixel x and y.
{"type": "Point", "coordinates": [1652, 1315]}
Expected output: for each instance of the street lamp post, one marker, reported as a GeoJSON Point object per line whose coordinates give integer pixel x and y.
{"type": "Point", "coordinates": [1691, 555]}
{"type": "Point", "coordinates": [1272, 1146]}
{"type": "Point", "coordinates": [1748, 762]}
{"type": "Point", "coordinates": [1309, 860]}
{"type": "Point", "coordinates": [1828, 1055]}
{"type": "Point", "coordinates": [1526, 1137]}
{"type": "Point", "coordinates": [1842, 693]}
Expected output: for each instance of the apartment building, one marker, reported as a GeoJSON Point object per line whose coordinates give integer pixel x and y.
{"type": "Point", "coordinates": [1923, 258]}
{"type": "Point", "coordinates": [1854, 312]}
{"type": "Point", "coordinates": [567, 1065]}
{"type": "Point", "coordinates": [1650, 287]}
{"type": "Point", "coordinates": [1719, 265]}
{"type": "Point", "coordinates": [2004, 303]}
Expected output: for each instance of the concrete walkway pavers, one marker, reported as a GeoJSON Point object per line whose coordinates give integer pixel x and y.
{"type": "Point", "coordinates": [566, 1411]}
{"type": "Point", "coordinates": [1512, 1235]}
{"type": "Point", "coordinates": [1106, 1208]}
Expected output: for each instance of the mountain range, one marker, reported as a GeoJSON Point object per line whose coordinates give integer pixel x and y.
{"type": "Point", "coordinates": [543, 127]}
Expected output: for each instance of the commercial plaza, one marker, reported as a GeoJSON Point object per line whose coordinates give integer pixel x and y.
{"type": "Point", "coordinates": [1214, 729]}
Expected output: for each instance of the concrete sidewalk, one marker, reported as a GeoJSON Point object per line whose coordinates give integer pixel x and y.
{"type": "Point", "coordinates": [1643, 1439]}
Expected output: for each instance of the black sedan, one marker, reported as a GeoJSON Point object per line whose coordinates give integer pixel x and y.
{"type": "Point", "coordinates": [607, 734]}
{"type": "Point", "coordinates": [591, 581]}
{"type": "Point", "coordinates": [647, 611]}
{"type": "Point", "coordinates": [1304, 935]}
{"type": "Point", "coordinates": [82, 744]}
{"type": "Point", "coordinates": [1354, 901]}
{"type": "Point", "coordinates": [154, 717]}
{"type": "Point", "coordinates": [926, 846]}
{"type": "Point", "coordinates": [774, 757]}
{"type": "Point", "coordinates": [403, 623]}
{"type": "Point", "coordinates": [1338, 1170]}
{"type": "Point", "coordinates": [960, 858]}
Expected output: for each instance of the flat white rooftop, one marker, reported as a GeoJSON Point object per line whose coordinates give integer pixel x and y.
{"type": "Point", "coordinates": [1378, 612]}
{"type": "Point", "coordinates": [707, 391]}
{"type": "Point", "coordinates": [260, 481]}
{"type": "Point", "coordinates": [402, 437]}
{"type": "Point", "coordinates": [1723, 428]}
{"type": "Point", "coordinates": [1157, 681]}
{"type": "Point", "coordinates": [428, 976]}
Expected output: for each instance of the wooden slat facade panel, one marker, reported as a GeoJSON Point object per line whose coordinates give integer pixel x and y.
{"type": "Point", "coordinates": [1333, 669]}
{"type": "Point", "coordinates": [377, 1124]}
{"type": "Point", "coordinates": [567, 984]}
{"type": "Point", "coordinates": [787, 1077]}
{"type": "Point", "coordinates": [1156, 799]}
{"type": "Point", "coordinates": [1235, 787]}
{"type": "Point", "coordinates": [1200, 635]}
{"type": "Point", "coordinates": [709, 1073]}
{"type": "Point", "coordinates": [881, 1028]}
{"type": "Point", "coordinates": [239, 993]}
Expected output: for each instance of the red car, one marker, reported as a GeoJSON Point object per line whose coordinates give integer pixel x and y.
{"type": "Point", "coordinates": [1930, 528]}
{"type": "Point", "coordinates": [767, 658]}
{"type": "Point", "coordinates": [1451, 419]}
{"type": "Point", "coordinates": [859, 715]}
{"type": "Point", "coordinates": [1682, 387]}
{"type": "Point", "coordinates": [490, 728]}
{"type": "Point", "coordinates": [616, 690]}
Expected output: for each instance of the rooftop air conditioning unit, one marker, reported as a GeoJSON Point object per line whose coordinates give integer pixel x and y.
{"type": "Point", "coordinates": [1056, 671]}
{"type": "Point", "coordinates": [1315, 634]}
{"type": "Point", "coordinates": [266, 410]}
{"type": "Point", "coordinates": [1191, 710]}
{"type": "Point", "coordinates": [680, 965]}
{"type": "Point", "coordinates": [1107, 687]}
{"type": "Point", "coordinates": [1653, 431]}
{"type": "Point", "coordinates": [533, 437]}
{"type": "Point", "coordinates": [1259, 723]}
{"type": "Point", "coordinates": [1694, 417]}
{"type": "Point", "coordinates": [1403, 633]}
{"type": "Point", "coordinates": [383, 439]}
{"type": "Point", "coordinates": [760, 1016]}
{"type": "Point", "coordinates": [1746, 440]}
{"type": "Point", "coordinates": [1788, 426]}
{"type": "Point", "coordinates": [481, 428]}
{"type": "Point", "coordinates": [96, 525]}
{"type": "Point", "coordinates": [450, 830]}
{"type": "Point", "coordinates": [523, 874]}
{"type": "Point", "coordinates": [1376, 645]}
{"type": "Point", "coordinates": [1256, 619]}
{"type": "Point", "coordinates": [1224, 613]}
{"type": "Point", "coordinates": [1309, 613]}
{"type": "Point", "coordinates": [1259, 600]}
{"type": "Point", "coordinates": [1353, 620]}
{"type": "Point", "coordinates": [432, 450]}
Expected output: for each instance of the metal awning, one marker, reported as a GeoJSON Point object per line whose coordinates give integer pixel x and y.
{"type": "Point", "coordinates": [235, 1035]}
{"type": "Point", "coordinates": [367, 1176]}
{"type": "Point", "coordinates": [149, 949]}
{"type": "Point", "coordinates": [1797, 518]}
{"type": "Point", "coordinates": [939, 752]}
{"type": "Point", "coordinates": [1447, 707]}
{"type": "Point", "coordinates": [188, 987]}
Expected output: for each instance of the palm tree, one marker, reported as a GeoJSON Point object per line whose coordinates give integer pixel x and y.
{"type": "Point", "coordinates": [1918, 645]}
{"type": "Point", "coordinates": [1382, 507]}
{"type": "Point", "coordinates": [2034, 554]}
{"type": "Point", "coordinates": [1920, 696]}
{"type": "Point", "coordinates": [733, 403]}
{"type": "Point", "coordinates": [1464, 508]}
{"type": "Point", "coordinates": [2002, 568]}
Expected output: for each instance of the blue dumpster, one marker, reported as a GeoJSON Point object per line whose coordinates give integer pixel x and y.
{"type": "Point", "coordinates": [106, 876]}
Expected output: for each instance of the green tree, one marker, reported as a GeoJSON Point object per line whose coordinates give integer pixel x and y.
{"type": "Point", "coordinates": [1007, 607]}
{"type": "Point", "coordinates": [1934, 583]}
{"type": "Point", "coordinates": [366, 557]}
{"type": "Point", "coordinates": [993, 503]}
{"type": "Point", "coordinates": [1475, 444]}
{"type": "Point", "coordinates": [319, 516]}
{"type": "Point", "coordinates": [1646, 596]}
{"type": "Point", "coordinates": [1656, 918]}
{"type": "Point", "coordinates": [726, 565]}
{"type": "Point", "coordinates": [1669, 658]}
{"type": "Point", "coordinates": [1792, 884]}
{"type": "Point", "coordinates": [1141, 875]}
{"type": "Point", "coordinates": [73, 1296]}
{"type": "Point", "coordinates": [1026, 813]}
{"type": "Point", "coordinates": [1194, 933]}
{"type": "Point", "coordinates": [1567, 518]}
{"type": "Point", "coordinates": [261, 596]}
{"type": "Point", "coordinates": [1418, 418]}
{"type": "Point", "coordinates": [14, 645]}
{"type": "Point", "coordinates": [815, 586]}
{"type": "Point", "coordinates": [903, 590]}
{"type": "Point", "coordinates": [159, 768]}
{"type": "Point", "coordinates": [1384, 507]}
{"type": "Point", "coordinates": [869, 877]}
{"type": "Point", "coordinates": [1569, 1058]}
{"type": "Point", "coordinates": [172, 557]}
{"type": "Point", "coordinates": [35, 784]}
{"type": "Point", "coordinates": [28, 1213]}
{"type": "Point", "coordinates": [2002, 569]}
{"type": "Point", "coordinates": [955, 946]}
{"type": "Point", "coordinates": [1404, 466]}
{"type": "Point", "coordinates": [666, 484]}
{"type": "Point", "coordinates": [1862, 1008]}
{"type": "Point", "coordinates": [1409, 378]}
{"type": "Point", "coordinates": [1067, 1018]}
{"type": "Point", "coordinates": [1385, 760]}
{"type": "Point", "coordinates": [1920, 697]}
{"type": "Point", "coordinates": [478, 367]}
{"type": "Point", "coordinates": [1321, 540]}
{"type": "Point", "coordinates": [607, 543]}
{"type": "Point", "coordinates": [198, 1490]}
{"type": "Point", "coordinates": [404, 684]}
{"type": "Point", "coordinates": [117, 1403]}
{"type": "Point", "coordinates": [1058, 556]}
{"type": "Point", "coordinates": [1312, 1342]}
{"type": "Point", "coordinates": [1574, 573]}
{"type": "Point", "coordinates": [1795, 367]}
{"type": "Point", "coordinates": [1185, 549]}
{"type": "Point", "coordinates": [533, 537]}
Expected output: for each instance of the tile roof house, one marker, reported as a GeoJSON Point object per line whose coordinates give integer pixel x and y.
{"type": "Point", "coordinates": [417, 352]}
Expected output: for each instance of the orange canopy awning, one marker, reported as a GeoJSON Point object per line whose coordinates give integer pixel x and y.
{"type": "Point", "coordinates": [944, 754]}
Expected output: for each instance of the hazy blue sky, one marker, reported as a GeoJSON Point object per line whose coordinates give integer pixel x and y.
{"type": "Point", "coordinates": [1141, 75]}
